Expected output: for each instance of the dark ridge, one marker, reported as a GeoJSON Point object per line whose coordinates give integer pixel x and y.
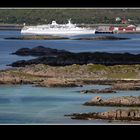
{"type": "Point", "coordinates": [102, 38]}
{"type": "Point", "coordinates": [54, 57]}
{"type": "Point", "coordinates": [39, 51]}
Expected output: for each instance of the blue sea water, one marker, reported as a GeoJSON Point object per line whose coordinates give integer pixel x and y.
{"type": "Point", "coordinates": [118, 46]}
{"type": "Point", "coordinates": [36, 105]}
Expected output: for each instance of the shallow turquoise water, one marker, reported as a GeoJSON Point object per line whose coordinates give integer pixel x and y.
{"type": "Point", "coordinates": [34, 105]}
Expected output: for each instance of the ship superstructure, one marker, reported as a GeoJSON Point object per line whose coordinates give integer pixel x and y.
{"type": "Point", "coordinates": [57, 29]}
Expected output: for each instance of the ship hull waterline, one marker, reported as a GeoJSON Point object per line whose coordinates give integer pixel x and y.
{"type": "Point", "coordinates": [64, 33]}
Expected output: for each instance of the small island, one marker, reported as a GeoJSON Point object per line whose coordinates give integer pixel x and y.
{"type": "Point", "coordinates": [128, 101]}
{"type": "Point", "coordinates": [107, 90]}
{"type": "Point", "coordinates": [36, 37]}
{"type": "Point", "coordinates": [102, 38]}
{"type": "Point", "coordinates": [40, 51]}
{"type": "Point", "coordinates": [52, 37]}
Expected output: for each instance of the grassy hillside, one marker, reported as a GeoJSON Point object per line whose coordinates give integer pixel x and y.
{"type": "Point", "coordinates": [35, 16]}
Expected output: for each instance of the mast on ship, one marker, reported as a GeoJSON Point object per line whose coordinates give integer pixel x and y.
{"type": "Point", "coordinates": [69, 21]}
{"type": "Point", "coordinates": [70, 24]}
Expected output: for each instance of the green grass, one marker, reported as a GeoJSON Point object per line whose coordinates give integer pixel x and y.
{"type": "Point", "coordinates": [127, 75]}
{"type": "Point", "coordinates": [95, 67]}
{"type": "Point", "coordinates": [115, 72]}
{"type": "Point", "coordinates": [23, 75]}
{"type": "Point", "coordinates": [100, 71]}
{"type": "Point", "coordinates": [37, 16]}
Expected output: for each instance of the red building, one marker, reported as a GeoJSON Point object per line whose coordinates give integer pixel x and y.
{"type": "Point", "coordinates": [130, 28]}
{"type": "Point", "coordinates": [124, 21]}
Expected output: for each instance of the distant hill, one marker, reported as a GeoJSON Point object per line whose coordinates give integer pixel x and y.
{"type": "Point", "coordinates": [43, 16]}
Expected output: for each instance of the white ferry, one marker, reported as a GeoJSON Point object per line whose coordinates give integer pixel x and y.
{"type": "Point", "coordinates": [56, 29]}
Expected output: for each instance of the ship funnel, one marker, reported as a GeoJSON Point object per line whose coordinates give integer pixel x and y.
{"type": "Point", "coordinates": [54, 23]}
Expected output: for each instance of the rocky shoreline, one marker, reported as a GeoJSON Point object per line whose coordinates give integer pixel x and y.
{"type": "Point", "coordinates": [107, 90]}
{"type": "Point", "coordinates": [126, 86]}
{"type": "Point", "coordinates": [115, 87]}
{"type": "Point", "coordinates": [36, 37]}
{"type": "Point", "coordinates": [75, 75]}
{"type": "Point", "coordinates": [128, 101]}
{"type": "Point", "coordinates": [118, 114]}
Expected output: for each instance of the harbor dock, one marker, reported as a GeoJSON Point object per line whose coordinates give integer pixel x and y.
{"type": "Point", "coordinates": [10, 27]}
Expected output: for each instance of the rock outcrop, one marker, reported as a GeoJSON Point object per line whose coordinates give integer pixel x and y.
{"type": "Point", "coordinates": [40, 51]}
{"type": "Point", "coordinates": [116, 101]}
{"type": "Point", "coordinates": [119, 85]}
{"type": "Point", "coordinates": [54, 57]}
{"type": "Point", "coordinates": [125, 86]}
{"type": "Point", "coordinates": [102, 38]}
{"type": "Point", "coordinates": [107, 90]}
{"type": "Point", "coordinates": [56, 82]}
{"type": "Point", "coordinates": [119, 114]}
{"type": "Point", "coordinates": [37, 37]}
{"type": "Point", "coordinates": [73, 75]}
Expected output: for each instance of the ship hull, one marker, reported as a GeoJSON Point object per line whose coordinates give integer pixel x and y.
{"type": "Point", "coordinates": [65, 33]}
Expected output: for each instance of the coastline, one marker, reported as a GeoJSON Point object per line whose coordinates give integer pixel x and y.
{"type": "Point", "coordinates": [70, 76]}
{"type": "Point", "coordinates": [18, 27]}
{"type": "Point", "coordinates": [14, 76]}
{"type": "Point", "coordinates": [74, 75]}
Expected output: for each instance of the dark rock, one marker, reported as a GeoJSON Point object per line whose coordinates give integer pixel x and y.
{"type": "Point", "coordinates": [103, 38]}
{"type": "Point", "coordinates": [39, 51]}
{"type": "Point", "coordinates": [56, 57]}
{"type": "Point", "coordinates": [19, 63]}
{"type": "Point", "coordinates": [22, 52]}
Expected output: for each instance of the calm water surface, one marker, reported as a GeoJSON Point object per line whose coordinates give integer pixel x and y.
{"type": "Point", "coordinates": [34, 105]}
{"type": "Point", "coordinates": [26, 104]}
{"type": "Point", "coordinates": [118, 46]}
